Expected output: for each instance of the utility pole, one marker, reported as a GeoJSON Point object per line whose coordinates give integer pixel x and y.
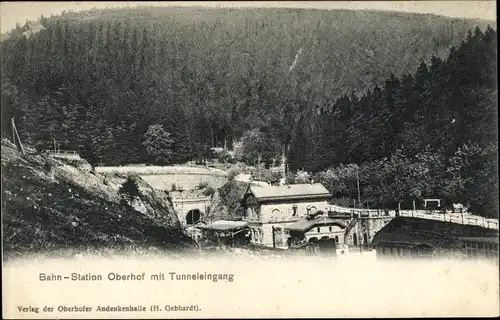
{"type": "Point", "coordinates": [360, 237]}
{"type": "Point", "coordinates": [15, 135]}
{"type": "Point", "coordinates": [283, 163]}
{"type": "Point", "coordinates": [274, 237]}
{"type": "Point", "coordinates": [260, 175]}
{"type": "Point", "coordinates": [357, 183]}
{"type": "Point", "coordinates": [13, 132]}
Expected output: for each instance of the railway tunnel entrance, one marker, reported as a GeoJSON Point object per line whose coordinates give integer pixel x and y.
{"type": "Point", "coordinates": [193, 216]}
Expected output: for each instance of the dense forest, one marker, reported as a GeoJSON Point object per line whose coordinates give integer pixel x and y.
{"type": "Point", "coordinates": [405, 101]}
{"type": "Point", "coordinates": [428, 134]}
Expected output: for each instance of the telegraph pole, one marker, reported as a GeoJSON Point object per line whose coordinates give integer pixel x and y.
{"type": "Point", "coordinates": [13, 132]}
{"type": "Point", "coordinates": [260, 175]}
{"type": "Point", "coordinates": [15, 135]}
{"type": "Point", "coordinates": [357, 183]}
{"type": "Point", "coordinates": [283, 163]}
{"type": "Point", "coordinates": [359, 203]}
{"type": "Point", "coordinates": [274, 237]}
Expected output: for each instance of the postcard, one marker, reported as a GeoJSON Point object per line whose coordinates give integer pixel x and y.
{"type": "Point", "coordinates": [249, 159]}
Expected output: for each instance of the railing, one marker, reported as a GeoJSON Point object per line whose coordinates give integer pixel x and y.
{"type": "Point", "coordinates": [362, 213]}
{"type": "Point", "coordinates": [186, 200]}
{"type": "Point", "coordinates": [62, 152]}
{"type": "Point", "coordinates": [460, 218]}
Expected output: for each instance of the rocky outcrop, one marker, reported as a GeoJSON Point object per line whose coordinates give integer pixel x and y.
{"type": "Point", "coordinates": [157, 204]}
{"type": "Point", "coordinates": [226, 202]}
{"type": "Point", "coordinates": [50, 204]}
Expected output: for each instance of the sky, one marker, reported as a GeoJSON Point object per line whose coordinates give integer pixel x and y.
{"type": "Point", "coordinates": [18, 12]}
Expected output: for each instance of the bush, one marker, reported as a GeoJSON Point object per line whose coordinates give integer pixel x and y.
{"type": "Point", "coordinates": [302, 177]}
{"type": "Point", "coordinates": [235, 170]}
{"type": "Point", "coordinates": [225, 157]}
{"type": "Point", "coordinates": [209, 191]}
{"type": "Point", "coordinates": [202, 185]}
{"type": "Point", "coordinates": [231, 174]}
{"type": "Point", "coordinates": [290, 178]}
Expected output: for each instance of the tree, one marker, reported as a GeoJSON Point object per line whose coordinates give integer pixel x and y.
{"type": "Point", "coordinates": [129, 190]}
{"type": "Point", "coordinates": [158, 144]}
{"type": "Point", "coordinates": [340, 180]}
{"type": "Point", "coordinates": [98, 84]}
{"type": "Point", "coordinates": [472, 178]}
{"type": "Point", "coordinates": [257, 142]}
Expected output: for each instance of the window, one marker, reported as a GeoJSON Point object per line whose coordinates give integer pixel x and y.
{"type": "Point", "coordinates": [330, 229]}
{"type": "Point", "coordinates": [319, 229]}
{"type": "Point", "coordinates": [249, 213]}
{"type": "Point", "coordinates": [294, 208]}
{"type": "Point", "coordinates": [336, 238]}
{"type": "Point", "coordinates": [276, 214]}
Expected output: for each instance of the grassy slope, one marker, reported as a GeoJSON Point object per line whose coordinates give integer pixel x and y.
{"type": "Point", "coordinates": [40, 213]}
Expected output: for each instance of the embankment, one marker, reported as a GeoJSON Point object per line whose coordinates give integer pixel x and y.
{"type": "Point", "coordinates": [56, 205]}
{"type": "Point", "coordinates": [163, 178]}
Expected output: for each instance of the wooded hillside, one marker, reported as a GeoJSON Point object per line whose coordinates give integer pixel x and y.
{"type": "Point", "coordinates": [357, 88]}
{"type": "Point", "coordinates": [98, 79]}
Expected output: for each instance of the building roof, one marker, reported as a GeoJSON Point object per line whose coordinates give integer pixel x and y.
{"type": "Point", "coordinates": [480, 239]}
{"type": "Point", "coordinates": [288, 192]}
{"type": "Point", "coordinates": [418, 231]}
{"type": "Point", "coordinates": [306, 224]}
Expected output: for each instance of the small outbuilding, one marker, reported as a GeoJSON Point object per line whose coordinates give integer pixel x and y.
{"type": "Point", "coordinates": [224, 233]}
{"type": "Point", "coordinates": [316, 229]}
{"type": "Point", "coordinates": [408, 237]}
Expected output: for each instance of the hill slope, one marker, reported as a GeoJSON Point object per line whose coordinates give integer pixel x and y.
{"type": "Point", "coordinates": [48, 205]}
{"type": "Point", "coordinates": [101, 78]}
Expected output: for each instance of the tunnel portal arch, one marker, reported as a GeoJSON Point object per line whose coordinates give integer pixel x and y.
{"type": "Point", "coordinates": [193, 216]}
